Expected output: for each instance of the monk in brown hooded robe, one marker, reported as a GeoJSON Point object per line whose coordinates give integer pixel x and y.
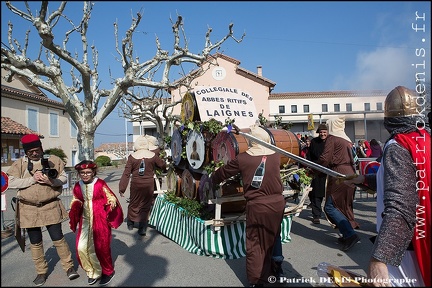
{"type": "Point", "coordinates": [139, 170]}
{"type": "Point", "coordinates": [337, 155]}
{"type": "Point", "coordinates": [259, 168]}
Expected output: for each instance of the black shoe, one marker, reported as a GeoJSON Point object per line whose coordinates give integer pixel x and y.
{"type": "Point", "coordinates": [316, 221]}
{"type": "Point", "coordinates": [130, 224]}
{"type": "Point", "coordinates": [350, 241]}
{"type": "Point", "coordinates": [92, 281]}
{"type": "Point", "coordinates": [72, 274]}
{"type": "Point", "coordinates": [142, 227]}
{"type": "Point", "coordinates": [341, 240]}
{"type": "Point", "coordinates": [277, 269]}
{"type": "Point", "coordinates": [106, 279]}
{"type": "Point", "coordinates": [40, 279]}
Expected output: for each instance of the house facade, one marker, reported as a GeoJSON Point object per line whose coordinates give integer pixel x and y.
{"type": "Point", "coordinates": [26, 109]}
{"type": "Point", "coordinates": [363, 110]}
{"type": "Point", "coordinates": [224, 73]}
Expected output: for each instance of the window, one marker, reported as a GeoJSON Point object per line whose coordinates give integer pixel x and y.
{"type": "Point", "coordinates": [324, 108]}
{"type": "Point", "coordinates": [306, 108]}
{"type": "Point", "coordinates": [54, 124]}
{"type": "Point", "coordinates": [367, 106]}
{"type": "Point", "coordinates": [336, 107]}
{"type": "Point", "coordinates": [348, 107]}
{"type": "Point", "coordinates": [33, 119]}
{"type": "Point", "coordinates": [379, 106]}
{"type": "Point", "coordinates": [282, 109]}
{"type": "Point", "coordinates": [293, 108]}
{"type": "Point", "coordinates": [74, 129]}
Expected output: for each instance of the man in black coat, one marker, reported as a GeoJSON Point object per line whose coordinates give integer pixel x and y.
{"type": "Point", "coordinates": [317, 194]}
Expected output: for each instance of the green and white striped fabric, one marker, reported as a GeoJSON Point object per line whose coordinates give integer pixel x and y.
{"type": "Point", "coordinates": [195, 236]}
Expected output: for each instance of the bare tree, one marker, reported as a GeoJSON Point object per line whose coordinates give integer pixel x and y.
{"type": "Point", "coordinates": [47, 73]}
{"type": "Point", "coordinates": [153, 105]}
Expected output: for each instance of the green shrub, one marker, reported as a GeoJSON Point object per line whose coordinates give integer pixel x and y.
{"type": "Point", "coordinates": [116, 163]}
{"type": "Point", "coordinates": [190, 206]}
{"type": "Point", "coordinates": [103, 161]}
{"type": "Point", "coordinates": [58, 152]}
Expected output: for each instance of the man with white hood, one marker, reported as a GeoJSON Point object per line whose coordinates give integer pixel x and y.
{"type": "Point", "coordinates": [337, 155]}
{"type": "Point", "coordinates": [260, 171]}
{"type": "Point", "coordinates": [140, 168]}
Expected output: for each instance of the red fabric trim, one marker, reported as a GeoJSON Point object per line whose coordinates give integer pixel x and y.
{"type": "Point", "coordinates": [85, 166]}
{"type": "Point", "coordinates": [419, 145]}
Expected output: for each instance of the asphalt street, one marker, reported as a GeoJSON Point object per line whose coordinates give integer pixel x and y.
{"type": "Point", "coordinates": [155, 260]}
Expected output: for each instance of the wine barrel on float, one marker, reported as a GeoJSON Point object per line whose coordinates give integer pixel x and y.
{"type": "Point", "coordinates": [286, 140]}
{"type": "Point", "coordinates": [189, 108]}
{"type": "Point", "coordinates": [226, 146]}
{"type": "Point", "coordinates": [189, 184]}
{"type": "Point", "coordinates": [197, 150]}
{"type": "Point", "coordinates": [205, 192]}
{"type": "Point", "coordinates": [174, 180]}
{"type": "Point", "coordinates": [177, 149]}
{"type": "Point", "coordinates": [229, 188]}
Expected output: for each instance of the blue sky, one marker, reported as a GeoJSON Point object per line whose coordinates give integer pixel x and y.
{"type": "Point", "coordinates": [301, 46]}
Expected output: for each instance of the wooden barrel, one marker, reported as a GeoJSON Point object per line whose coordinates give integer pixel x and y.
{"type": "Point", "coordinates": [177, 149]}
{"type": "Point", "coordinates": [230, 188]}
{"type": "Point", "coordinates": [286, 140]}
{"type": "Point", "coordinates": [233, 207]}
{"type": "Point", "coordinates": [196, 150]}
{"type": "Point", "coordinates": [189, 108]}
{"type": "Point", "coordinates": [226, 146]}
{"type": "Point", "coordinates": [205, 193]}
{"type": "Point", "coordinates": [205, 189]}
{"type": "Point", "coordinates": [189, 184]}
{"type": "Point", "coordinates": [174, 181]}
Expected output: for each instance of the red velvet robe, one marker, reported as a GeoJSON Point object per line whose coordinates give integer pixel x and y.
{"type": "Point", "coordinates": [92, 214]}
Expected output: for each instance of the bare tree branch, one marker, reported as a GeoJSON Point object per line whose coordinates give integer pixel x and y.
{"type": "Point", "coordinates": [49, 73]}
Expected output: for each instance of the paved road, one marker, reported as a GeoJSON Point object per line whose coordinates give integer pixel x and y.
{"type": "Point", "coordinates": [158, 261]}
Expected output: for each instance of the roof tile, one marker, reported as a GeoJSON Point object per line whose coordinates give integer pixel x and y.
{"type": "Point", "coordinates": [8, 126]}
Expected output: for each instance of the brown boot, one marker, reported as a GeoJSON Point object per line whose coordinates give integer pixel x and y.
{"type": "Point", "coordinates": [66, 258]}
{"type": "Point", "coordinates": [41, 266]}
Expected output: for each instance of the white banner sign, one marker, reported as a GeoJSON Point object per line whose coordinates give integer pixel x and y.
{"type": "Point", "coordinates": [222, 103]}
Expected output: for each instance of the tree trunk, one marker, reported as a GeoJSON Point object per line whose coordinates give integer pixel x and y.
{"type": "Point", "coordinates": [86, 145]}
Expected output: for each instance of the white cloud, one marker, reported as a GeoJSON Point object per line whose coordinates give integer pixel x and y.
{"type": "Point", "coordinates": [384, 68]}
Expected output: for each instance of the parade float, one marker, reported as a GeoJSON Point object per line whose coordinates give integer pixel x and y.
{"type": "Point", "coordinates": [208, 220]}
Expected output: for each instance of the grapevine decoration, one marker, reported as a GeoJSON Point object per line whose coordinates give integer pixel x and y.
{"type": "Point", "coordinates": [297, 178]}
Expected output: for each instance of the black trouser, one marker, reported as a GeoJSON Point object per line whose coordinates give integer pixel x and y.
{"type": "Point", "coordinates": [54, 230]}
{"type": "Point", "coordinates": [316, 204]}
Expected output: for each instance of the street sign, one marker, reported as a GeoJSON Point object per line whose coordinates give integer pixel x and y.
{"type": "Point", "coordinates": [4, 182]}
